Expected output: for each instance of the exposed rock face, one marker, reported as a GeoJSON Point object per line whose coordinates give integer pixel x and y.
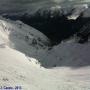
{"type": "Point", "coordinates": [84, 33]}
{"type": "Point", "coordinates": [57, 23]}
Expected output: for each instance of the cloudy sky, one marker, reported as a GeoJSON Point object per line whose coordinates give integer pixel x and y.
{"type": "Point", "coordinates": [23, 5]}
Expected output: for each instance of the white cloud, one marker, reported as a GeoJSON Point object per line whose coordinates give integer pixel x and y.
{"type": "Point", "coordinates": [21, 5]}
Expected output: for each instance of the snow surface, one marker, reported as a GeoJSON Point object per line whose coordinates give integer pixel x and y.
{"type": "Point", "coordinates": [23, 62]}
{"type": "Point", "coordinates": [78, 9]}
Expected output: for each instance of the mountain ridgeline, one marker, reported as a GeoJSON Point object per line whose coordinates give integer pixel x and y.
{"type": "Point", "coordinates": [53, 23]}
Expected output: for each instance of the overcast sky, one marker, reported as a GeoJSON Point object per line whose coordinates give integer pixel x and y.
{"type": "Point", "coordinates": [23, 5]}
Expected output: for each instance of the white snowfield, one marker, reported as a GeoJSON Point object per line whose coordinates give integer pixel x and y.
{"type": "Point", "coordinates": [22, 60]}
{"type": "Point", "coordinates": [78, 9]}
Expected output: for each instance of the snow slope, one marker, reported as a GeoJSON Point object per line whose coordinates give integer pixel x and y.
{"type": "Point", "coordinates": [22, 37]}
{"type": "Point", "coordinates": [21, 61]}
{"type": "Point", "coordinates": [17, 70]}
{"type": "Point", "coordinates": [70, 54]}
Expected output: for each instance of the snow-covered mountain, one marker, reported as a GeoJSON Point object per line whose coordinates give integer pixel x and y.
{"type": "Point", "coordinates": [19, 32]}
{"type": "Point", "coordinates": [24, 54]}
{"type": "Point", "coordinates": [27, 58]}
{"type": "Point", "coordinates": [57, 22]}
{"type": "Point", "coordinates": [22, 37]}
{"type": "Point", "coordinates": [33, 43]}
